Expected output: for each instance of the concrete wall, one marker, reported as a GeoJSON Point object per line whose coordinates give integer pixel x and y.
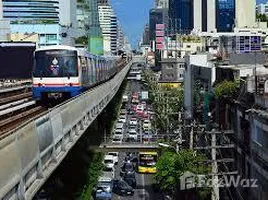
{"type": "Point", "coordinates": [34, 150]}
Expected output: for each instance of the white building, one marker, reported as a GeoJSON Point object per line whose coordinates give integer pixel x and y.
{"type": "Point", "coordinates": [262, 8]}
{"type": "Point", "coordinates": [105, 13]}
{"type": "Point", "coordinates": [211, 16]}
{"type": "Point", "coordinates": [161, 3]}
{"type": "Point", "coordinates": [4, 25]}
{"type": "Point", "coordinates": [245, 13]}
{"type": "Point", "coordinates": [197, 15]}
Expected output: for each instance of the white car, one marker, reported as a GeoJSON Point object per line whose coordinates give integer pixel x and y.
{"type": "Point", "coordinates": [146, 124]}
{"type": "Point", "coordinates": [108, 172]}
{"type": "Point", "coordinates": [109, 161]}
{"type": "Point", "coordinates": [133, 121]}
{"type": "Point", "coordinates": [122, 118]}
{"type": "Point", "coordinates": [115, 155]}
{"type": "Point", "coordinates": [117, 140]}
{"type": "Point", "coordinates": [132, 133]}
{"type": "Point", "coordinates": [119, 133]}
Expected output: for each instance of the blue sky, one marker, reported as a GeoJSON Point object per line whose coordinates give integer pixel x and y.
{"type": "Point", "coordinates": [133, 15]}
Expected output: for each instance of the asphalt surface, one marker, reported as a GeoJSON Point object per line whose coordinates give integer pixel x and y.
{"type": "Point", "coordinates": [144, 190]}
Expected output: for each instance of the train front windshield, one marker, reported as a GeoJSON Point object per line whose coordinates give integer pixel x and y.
{"type": "Point", "coordinates": [56, 63]}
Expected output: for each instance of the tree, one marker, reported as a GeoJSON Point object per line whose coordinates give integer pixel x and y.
{"type": "Point", "coordinates": [171, 166]}
{"type": "Point", "coordinates": [226, 89]}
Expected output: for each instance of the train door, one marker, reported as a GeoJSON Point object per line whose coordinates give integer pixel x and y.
{"type": "Point", "coordinates": [84, 75]}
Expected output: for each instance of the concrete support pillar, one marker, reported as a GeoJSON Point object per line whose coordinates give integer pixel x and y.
{"type": "Point", "coordinates": [21, 190]}
{"type": "Point", "coordinates": [40, 173]}
{"type": "Point", "coordinates": [211, 16]}
{"type": "Point", "coordinates": [198, 15]}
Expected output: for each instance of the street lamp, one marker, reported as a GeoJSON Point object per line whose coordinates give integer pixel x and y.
{"type": "Point", "coordinates": [169, 146]}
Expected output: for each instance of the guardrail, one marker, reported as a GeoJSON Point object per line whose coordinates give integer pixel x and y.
{"type": "Point", "coordinates": [34, 150]}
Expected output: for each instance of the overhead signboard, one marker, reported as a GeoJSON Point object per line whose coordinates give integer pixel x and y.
{"type": "Point", "coordinates": [160, 46]}
{"type": "Point", "coordinates": [160, 26]}
{"type": "Point", "coordinates": [160, 33]}
{"type": "Point", "coordinates": [96, 45]}
{"type": "Point", "coordinates": [160, 40]}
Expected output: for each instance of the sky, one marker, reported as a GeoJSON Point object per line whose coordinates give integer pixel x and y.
{"type": "Point", "coordinates": [133, 15]}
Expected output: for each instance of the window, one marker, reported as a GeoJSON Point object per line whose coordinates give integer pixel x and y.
{"type": "Point", "coordinates": [171, 66]}
{"type": "Point", "coordinates": [188, 46]}
{"type": "Point", "coordinates": [51, 37]}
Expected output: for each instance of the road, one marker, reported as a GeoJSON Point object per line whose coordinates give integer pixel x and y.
{"type": "Point", "coordinates": [144, 190]}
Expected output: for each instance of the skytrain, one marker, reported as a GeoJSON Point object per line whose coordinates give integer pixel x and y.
{"type": "Point", "coordinates": [64, 71]}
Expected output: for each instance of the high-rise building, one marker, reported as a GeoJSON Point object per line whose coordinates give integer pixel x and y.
{"type": "Point", "coordinates": [225, 15]}
{"type": "Point", "coordinates": [34, 11]}
{"type": "Point", "coordinates": [161, 3]}
{"type": "Point", "coordinates": [197, 10]}
{"type": "Point", "coordinates": [113, 34]}
{"type": "Point", "coordinates": [67, 13]}
{"type": "Point", "coordinates": [94, 23]}
{"type": "Point", "coordinates": [262, 8]}
{"type": "Point", "coordinates": [1, 9]}
{"type": "Point", "coordinates": [245, 13]}
{"type": "Point", "coordinates": [211, 16]}
{"type": "Point", "coordinates": [180, 16]}
{"type": "Point", "coordinates": [157, 16]}
{"type": "Point", "coordinates": [145, 35]}
{"type": "Point", "coordinates": [120, 37]}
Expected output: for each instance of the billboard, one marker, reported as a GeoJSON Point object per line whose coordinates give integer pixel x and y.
{"type": "Point", "coordinates": [160, 40]}
{"type": "Point", "coordinates": [160, 33]}
{"type": "Point", "coordinates": [160, 46]}
{"type": "Point", "coordinates": [96, 45]}
{"type": "Point", "coordinates": [160, 26]}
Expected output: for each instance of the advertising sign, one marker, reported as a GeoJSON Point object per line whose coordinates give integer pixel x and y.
{"type": "Point", "coordinates": [160, 46]}
{"type": "Point", "coordinates": [160, 26]}
{"type": "Point", "coordinates": [160, 40]}
{"type": "Point", "coordinates": [96, 45]}
{"type": "Point", "coordinates": [160, 33]}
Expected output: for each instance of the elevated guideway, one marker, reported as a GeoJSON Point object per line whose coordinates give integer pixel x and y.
{"type": "Point", "coordinates": [30, 154]}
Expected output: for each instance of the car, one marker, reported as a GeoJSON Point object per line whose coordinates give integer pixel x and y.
{"type": "Point", "coordinates": [130, 179]}
{"type": "Point", "coordinates": [132, 134]}
{"type": "Point", "coordinates": [115, 155]}
{"type": "Point", "coordinates": [127, 167]}
{"type": "Point", "coordinates": [146, 124]}
{"type": "Point", "coordinates": [119, 133]}
{"type": "Point", "coordinates": [121, 187]}
{"type": "Point", "coordinates": [122, 118]}
{"type": "Point", "coordinates": [133, 121]}
{"type": "Point", "coordinates": [119, 125]}
{"type": "Point", "coordinates": [117, 140]}
{"type": "Point", "coordinates": [131, 157]}
{"type": "Point", "coordinates": [140, 108]}
{"type": "Point", "coordinates": [123, 112]}
{"type": "Point", "coordinates": [108, 172]}
{"type": "Point", "coordinates": [103, 190]}
{"type": "Point", "coordinates": [109, 161]}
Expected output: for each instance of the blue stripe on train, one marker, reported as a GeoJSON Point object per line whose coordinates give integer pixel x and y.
{"type": "Point", "coordinates": [37, 91]}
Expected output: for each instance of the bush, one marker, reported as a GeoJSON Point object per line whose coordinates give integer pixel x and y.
{"type": "Point", "coordinates": [226, 89]}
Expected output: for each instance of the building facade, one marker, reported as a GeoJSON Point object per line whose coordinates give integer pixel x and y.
{"type": "Point", "coordinates": [113, 34]}
{"type": "Point", "coordinates": [161, 3]}
{"type": "Point", "coordinates": [157, 16]}
{"type": "Point", "coordinates": [35, 11]}
{"type": "Point", "coordinates": [145, 35]}
{"type": "Point", "coordinates": [245, 16]}
{"type": "Point", "coordinates": [262, 8]}
{"type": "Point", "coordinates": [225, 15]}
{"type": "Point", "coordinates": [181, 16]}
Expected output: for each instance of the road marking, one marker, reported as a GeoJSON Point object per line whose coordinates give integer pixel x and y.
{"type": "Point", "coordinates": [143, 185]}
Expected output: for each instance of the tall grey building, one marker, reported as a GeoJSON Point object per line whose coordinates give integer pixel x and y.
{"type": "Point", "coordinates": [161, 3]}
{"type": "Point", "coordinates": [35, 11]}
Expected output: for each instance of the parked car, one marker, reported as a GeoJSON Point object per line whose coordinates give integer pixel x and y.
{"type": "Point", "coordinates": [122, 188]}
{"type": "Point", "coordinates": [117, 140]}
{"type": "Point", "coordinates": [146, 124]}
{"type": "Point", "coordinates": [115, 155]}
{"type": "Point", "coordinates": [122, 118]}
{"type": "Point", "coordinates": [130, 179]}
{"type": "Point", "coordinates": [119, 133]}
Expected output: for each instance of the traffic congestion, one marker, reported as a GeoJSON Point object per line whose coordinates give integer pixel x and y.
{"type": "Point", "coordinates": [129, 175]}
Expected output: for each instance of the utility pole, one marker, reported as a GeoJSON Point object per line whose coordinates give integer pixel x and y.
{"type": "Point", "coordinates": [215, 179]}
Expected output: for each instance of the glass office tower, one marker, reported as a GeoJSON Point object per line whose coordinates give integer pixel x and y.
{"type": "Point", "coordinates": [225, 15]}
{"type": "Point", "coordinates": [180, 16]}
{"type": "Point", "coordinates": [34, 11]}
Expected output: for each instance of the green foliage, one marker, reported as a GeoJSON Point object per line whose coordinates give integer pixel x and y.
{"type": "Point", "coordinates": [227, 89]}
{"type": "Point", "coordinates": [82, 40]}
{"type": "Point", "coordinates": [171, 166]}
{"type": "Point", "coordinates": [93, 173]}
